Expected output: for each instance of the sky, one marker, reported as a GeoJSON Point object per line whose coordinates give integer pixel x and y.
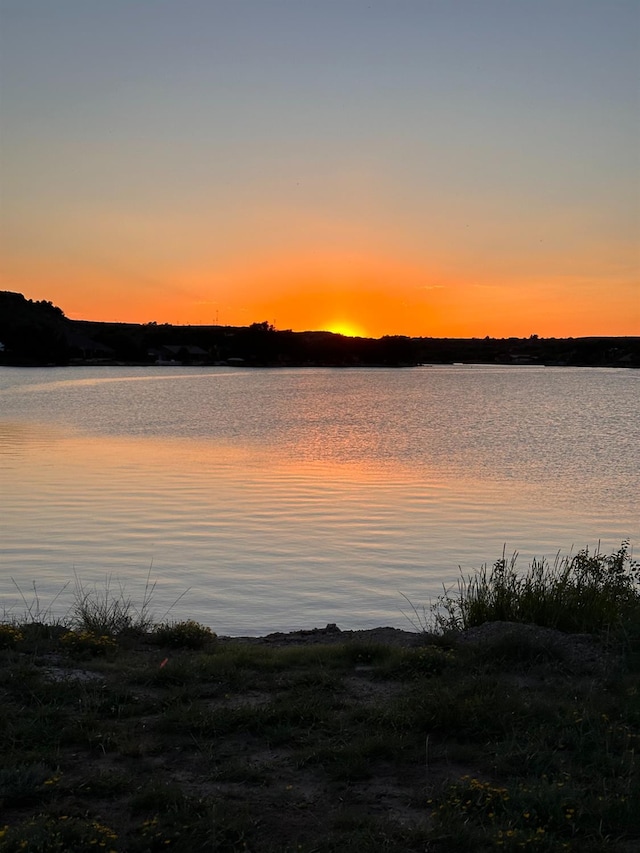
{"type": "Point", "coordinates": [446, 168]}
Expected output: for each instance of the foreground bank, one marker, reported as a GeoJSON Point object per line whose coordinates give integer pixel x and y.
{"type": "Point", "coordinates": [502, 737]}
{"type": "Point", "coordinates": [511, 722]}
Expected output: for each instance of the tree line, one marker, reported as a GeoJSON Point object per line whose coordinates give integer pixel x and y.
{"type": "Point", "coordinates": [38, 333]}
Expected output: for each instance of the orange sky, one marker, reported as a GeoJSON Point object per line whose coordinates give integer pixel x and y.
{"type": "Point", "coordinates": [358, 295]}
{"type": "Point", "coordinates": [375, 167]}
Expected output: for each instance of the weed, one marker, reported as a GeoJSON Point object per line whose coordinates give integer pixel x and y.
{"type": "Point", "coordinates": [537, 814]}
{"type": "Point", "coordinates": [420, 618]}
{"type": "Point", "coordinates": [57, 834]}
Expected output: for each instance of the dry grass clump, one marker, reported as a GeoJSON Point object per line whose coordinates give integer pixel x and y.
{"type": "Point", "coordinates": [105, 611]}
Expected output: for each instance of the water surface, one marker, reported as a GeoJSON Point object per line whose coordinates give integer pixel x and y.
{"type": "Point", "coordinates": [291, 498]}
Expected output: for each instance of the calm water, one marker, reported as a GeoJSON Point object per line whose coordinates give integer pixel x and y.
{"type": "Point", "coordinates": [291, 498]}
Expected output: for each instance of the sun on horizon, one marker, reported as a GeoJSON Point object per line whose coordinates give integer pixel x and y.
{"type": "Point", "coordinates": [346, 328]}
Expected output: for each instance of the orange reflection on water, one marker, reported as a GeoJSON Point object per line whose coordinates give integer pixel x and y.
{"type": "Point", "coordinates": [263, 539]}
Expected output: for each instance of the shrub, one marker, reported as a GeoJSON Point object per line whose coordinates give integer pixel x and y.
{"type": "Point", "coordinates": [86, 642]}
{"type": "Point", "coordinates": [186, 635]}
{"type": "Point", "coordinates": [10, 636]}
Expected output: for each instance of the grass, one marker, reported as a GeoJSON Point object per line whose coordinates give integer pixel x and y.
{"type": "Point", "coordinates": [103, 611]}
{"type": "Point", "coordinates": [173, 739]}
{"type": "Point", "coordinates": [580, 593]}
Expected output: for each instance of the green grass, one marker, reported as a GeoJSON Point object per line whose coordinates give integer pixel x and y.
{"type": "Point", "coordinates": [580, 593]}
{"type": "Point", "coordinates": [138, 742]}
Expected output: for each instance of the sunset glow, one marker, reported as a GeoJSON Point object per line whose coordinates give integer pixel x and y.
{"type": "Point", "coordinates": [432, 169]}
{"type": "Point", "coordinates": [349, 330]}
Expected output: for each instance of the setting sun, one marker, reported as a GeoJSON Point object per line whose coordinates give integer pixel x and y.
{"type": "Point", "coordinates": [346, 328]}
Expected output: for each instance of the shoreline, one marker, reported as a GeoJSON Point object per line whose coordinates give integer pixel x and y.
{"type": "Point", "coordinates": [332, 634]}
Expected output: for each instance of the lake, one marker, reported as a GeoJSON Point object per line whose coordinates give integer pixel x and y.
{"type": "Point", "coordinates": [275, 499]}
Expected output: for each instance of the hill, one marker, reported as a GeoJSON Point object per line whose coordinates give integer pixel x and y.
{"type": "Point", "coordinates": [35, 333]}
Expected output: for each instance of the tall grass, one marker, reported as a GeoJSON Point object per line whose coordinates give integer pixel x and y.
{"type": "Point", "coordinates": [100, 610]}
{"type": "Point", "coordinates": [586, 592]}
{"type": "Point", "coordinates": [111, 611]}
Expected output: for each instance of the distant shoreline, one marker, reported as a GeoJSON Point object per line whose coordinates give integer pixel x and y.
{"type": "Point", "coordinates": [37, 334]}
